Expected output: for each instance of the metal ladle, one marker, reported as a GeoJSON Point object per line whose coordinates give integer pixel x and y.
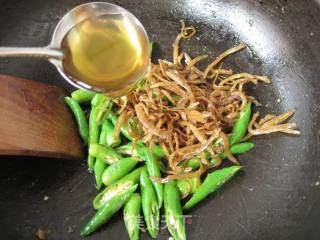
{"type": "Point", "coordinates": [53, 52]}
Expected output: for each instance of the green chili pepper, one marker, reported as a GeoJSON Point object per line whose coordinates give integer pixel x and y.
{"type": "Point", "coordinates": [94, 131]}
{"type": "Point", "coordinates": [91, 162]}
{"type": "Point", "coordinates": [107, 211]}
{"type": "Point", "coordinates": [173, 211]}
{"type": "Point", "coordinates": [184, 187]}
{"type": "Point", "coordinates": [80, 118]}
{"type": "Point", "coordinates": [107, 134]}
{"type": "Point", "coordinates": [128, 150]}
{"type": "Point", "coordinates": [150, 206]}
{"type": "Point", "coordinates": [242, 147]}
{"type": "Point", "coordinates": [154, 171]}
{"type": "Point", "coordinates": [100, 165]}
{"type": "Point", "coordinates": [188, 185]}
{"type": "Point", "coordinates": [103, 133]}
{"type": "Point", "coordinates": [138, 151]}
{"type": "Point", "coordinates": [111, 139]}
{"type": "Point", "coordinates": [131, 215]}
{"type": "Point", "coordinates": [175, 98]}
{"type": "Point", "coordinates": [123, 129]}
{"type": "Point", "coordinates": [108, 154]}
{"type": "Point", "coordinates": [193, 163]}
{"type": "Point", "coordinates": [241, 125]}
{"type": "Point", "coordinates": [195, 183]}
{"type": "Point", "coordinates": [82, 96]}
{"type": "Point", "coordinates": [238, 148]}
{"type": "Point", "coordinates": [158, 152]}
{"type": "Point", "coordinates": [118, 169]}
{"type": "Point", "coordinates": [212, 182]}
{"type": "Point", "coordinates": [114, 189]}
{"type": "Point", "coordinates": [101, 105]}
{"type": "Point", "coordinates": [162, 167]}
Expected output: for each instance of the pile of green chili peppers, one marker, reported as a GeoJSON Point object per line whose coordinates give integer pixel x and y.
{"type": "Point", "coordinates": [124, 171]}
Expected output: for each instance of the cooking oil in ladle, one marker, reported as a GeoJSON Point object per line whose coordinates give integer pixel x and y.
{"type": "Point", "coordinates": [108, 52]}
{"type": "Point", "coordinates": [97, 46]}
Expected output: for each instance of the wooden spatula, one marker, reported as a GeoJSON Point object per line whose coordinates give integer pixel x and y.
{"type": "Point", "coordinates": [34, 120]}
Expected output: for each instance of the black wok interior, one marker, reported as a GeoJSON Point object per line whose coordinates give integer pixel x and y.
{"type": "Point", "coordinates": [277, 196]}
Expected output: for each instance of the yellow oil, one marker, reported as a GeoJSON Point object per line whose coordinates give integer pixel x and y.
{"type": "Point", "coordinates": [107, 52]}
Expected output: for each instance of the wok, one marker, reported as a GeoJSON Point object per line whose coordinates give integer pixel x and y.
{"type": "Point", "coordinates": [278, 194]}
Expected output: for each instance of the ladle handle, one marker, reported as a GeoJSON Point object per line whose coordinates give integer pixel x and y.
{"type": "Point", "coordinates": [35, 52]}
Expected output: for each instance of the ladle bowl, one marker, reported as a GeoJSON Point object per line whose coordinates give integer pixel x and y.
{"type": "Point", "coordinates": [53, 52]}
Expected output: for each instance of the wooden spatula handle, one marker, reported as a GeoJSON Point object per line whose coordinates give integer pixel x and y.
{"type": "Point", "coordinates": [34, 120]}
